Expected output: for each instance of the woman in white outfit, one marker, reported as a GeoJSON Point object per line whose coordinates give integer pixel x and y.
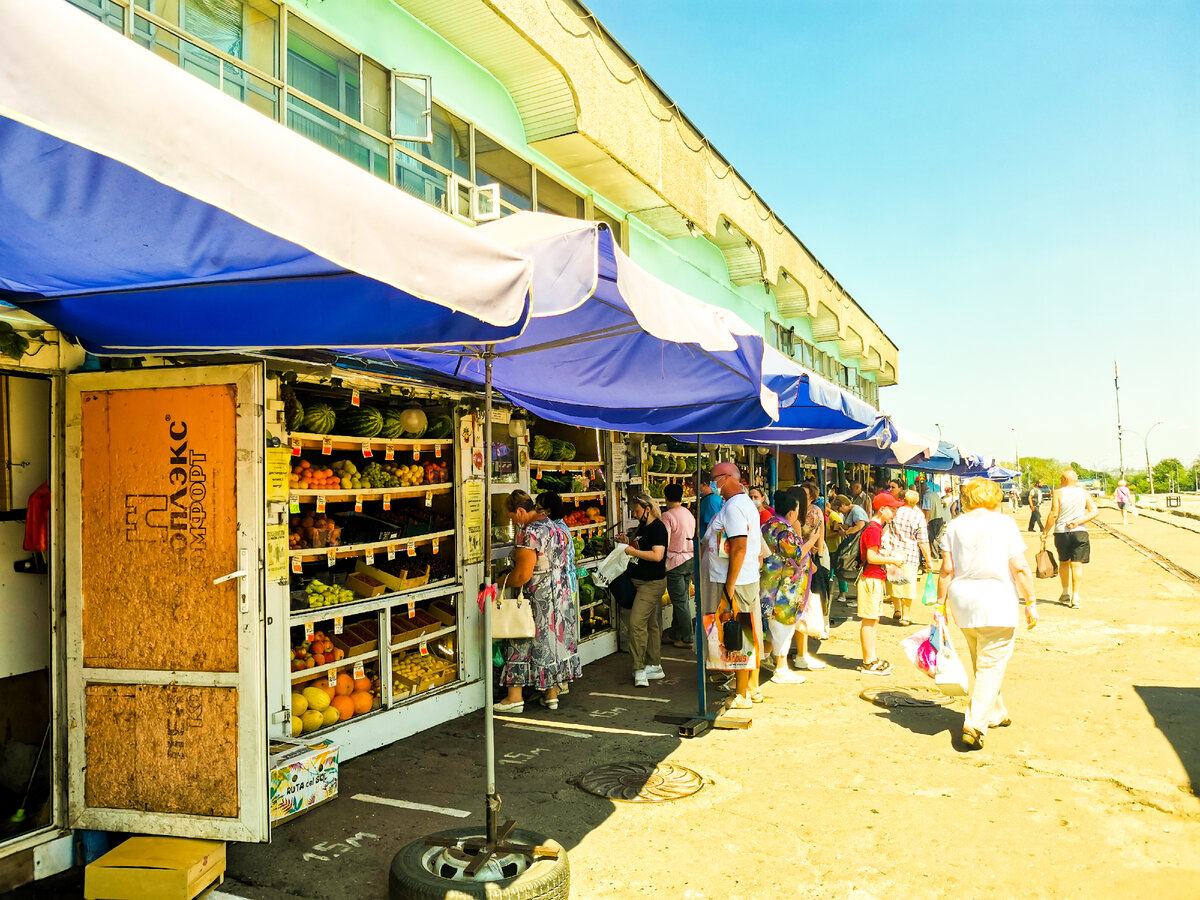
{"type": "Point", "coordinates": [983, 571]}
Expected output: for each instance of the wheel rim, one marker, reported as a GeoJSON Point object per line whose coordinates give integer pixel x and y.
{"type": "Point", "coordinates": [451, 863]}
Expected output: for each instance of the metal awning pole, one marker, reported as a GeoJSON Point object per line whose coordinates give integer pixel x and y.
{"type": "Point", "coordinates": [699, 638]}
{"type": "Point", "coordinates": [489, 728]}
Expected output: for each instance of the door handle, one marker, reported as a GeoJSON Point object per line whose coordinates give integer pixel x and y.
{"type": "Point", "coordinates": [240, 574]}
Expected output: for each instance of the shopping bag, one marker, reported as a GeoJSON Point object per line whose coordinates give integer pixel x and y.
{"type": "Point", "coordinates": [611, 566]}
{"type": "Point", "coordinates": [898, 575]}
{"type": "Point", "coordinates": [919, 651]}
{"type": "Point", "coordinates": [813, 618]}
{"type": "Point", "coordinates": [929, 598]}
{"type": "Point", "coordinates": [1047, 565]}
{"type": "Point", "coordinates": [951, 675]}
{"type": "Point", "coordinates": [512, 617]}
{"type": "Point", "coordinates": [718, 657]}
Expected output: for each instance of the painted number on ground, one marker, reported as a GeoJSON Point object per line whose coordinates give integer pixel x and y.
{"type": "Point", "coordinates": [326, 850]}
{"type": "Point", "coordinates": [606, 713]}
{"type": "Point", "coordinates": [519, 759]}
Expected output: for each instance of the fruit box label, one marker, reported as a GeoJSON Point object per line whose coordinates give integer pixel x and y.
{"type": "Point", "coordinates": [302, 776]}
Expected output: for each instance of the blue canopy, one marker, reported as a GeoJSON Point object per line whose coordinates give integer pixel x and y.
{"type": "Point", "coordinates": [138, 231]}
{"type": "Point", "coordinates": [806, 400]}
{"type": "Point", "coordinates": [608, 345]}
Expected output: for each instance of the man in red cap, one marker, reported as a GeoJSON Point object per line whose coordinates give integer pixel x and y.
{"type": "Point", "coordinates": [872, 582]}
{"type": "Point", "coordinates": [732, 547]}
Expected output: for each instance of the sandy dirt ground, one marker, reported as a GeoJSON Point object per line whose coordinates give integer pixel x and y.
{"type": "Point", "coordinates": [1088, 794]}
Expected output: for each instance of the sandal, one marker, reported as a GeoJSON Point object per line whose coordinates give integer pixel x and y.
{"type": "Point", "coordinates": [904, 623]}
{"type": "Point", "coordinates": [756, 696]}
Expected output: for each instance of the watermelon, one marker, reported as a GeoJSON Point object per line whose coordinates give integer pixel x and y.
{"type": "Point", "coordinates": [441, 427]}
{"type": "Point", "coordinates": [392, 426]}
{"type": "Point", "coordinates": [293, 411]}
{"type": "Point", "coordinates": [564, 450]}
{"type": "Point", "coordinates": [542, 448]}
{"type": "Point", "coordinates": [365, 421]}
{"type": "Point", "coordinates": [319, 418]}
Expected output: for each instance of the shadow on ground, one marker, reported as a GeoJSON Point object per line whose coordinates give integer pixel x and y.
{"type": "Point", "coordinates": [1176, 712]}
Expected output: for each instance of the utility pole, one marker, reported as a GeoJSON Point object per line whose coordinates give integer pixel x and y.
{"type": "Point", "coordinates": [1120, 437]}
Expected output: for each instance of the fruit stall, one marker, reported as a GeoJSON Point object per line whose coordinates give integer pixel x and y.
{"type": "Point", "coordinates": [673, 463]}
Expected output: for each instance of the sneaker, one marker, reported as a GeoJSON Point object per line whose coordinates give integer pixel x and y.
{"type": "Point", "coordinates": [787, 676]}
{"type": "Point", "coordinates": [768, 663]}
{"type": "Point", "coordinates": [639, 678]}
{"type": "Point", "coordinates": [740, 702]}
{"type": "Point", "coordinates": [1064, 597]}
{"type": "Point", "coordinates": [876, 667]}
{"type": "Point", "coordinates": [655, 673]}
{"type": "Point", "coordinates": [809, 662]}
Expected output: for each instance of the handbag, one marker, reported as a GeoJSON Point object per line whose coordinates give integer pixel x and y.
{"type": "Point", "coordinates": [512, 617]}
{"type": "Point", "coordinates": [623, 590]}
{"type": "Point", "coordinates": [731, 629]}
{"type": "Point", "coordinates": [1047, 565]}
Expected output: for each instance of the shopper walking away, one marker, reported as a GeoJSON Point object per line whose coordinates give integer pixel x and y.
{"type": "Point", "coordinates": [681, 534]}
{"type": "Point", "coordinates": [872, 583]}
{"type": "Point", "coordinates": [648, 571]}
{"type": "Point", "coordinates": [1124, 500]}
{"type": "Point", "coordinates": [845, 563]}
{"type": "Point", "coordinates": [1071, 508]}
{"type": "Point", "coordinates": [784, 582]}
{"type": "Point", "coordinates": [935, 513]}
{"type": "Point", "coordinates": [910, 541]}
{"type": "Point", "coordinates": [860, 498]}
{"type": "Point", "coordinates": [732, 551]}
{"type": "Point", "coordinates": [1035, 508]}
{"type": "Point", "coordinates": [540, 566]}
{"type": "Point", "coordinates": [984, 571]}
{"type": "Point", "coordinates": [708, 504]}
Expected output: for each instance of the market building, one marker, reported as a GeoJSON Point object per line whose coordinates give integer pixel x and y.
{"type": "Point", "coordinates": [480, 110]}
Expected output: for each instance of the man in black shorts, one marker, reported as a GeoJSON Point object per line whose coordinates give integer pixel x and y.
{"type": "Point", "coordinates": [1070, 510]}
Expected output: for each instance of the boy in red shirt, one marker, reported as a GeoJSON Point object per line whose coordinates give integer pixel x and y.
{"type": "Point", "coordinates": [872, 582]}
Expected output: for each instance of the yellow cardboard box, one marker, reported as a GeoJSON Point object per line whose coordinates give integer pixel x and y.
{"type": "Point", "coordinates": [155, 868]}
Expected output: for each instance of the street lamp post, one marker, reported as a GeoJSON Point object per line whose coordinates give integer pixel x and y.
{"type": "Point", "coordinates": [1017, 450]}
{"type": "Point", "coordinates": [1146, 447]}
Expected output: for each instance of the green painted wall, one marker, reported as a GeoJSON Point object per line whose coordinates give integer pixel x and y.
{"type": "Point", "coordinates": [391, 36]}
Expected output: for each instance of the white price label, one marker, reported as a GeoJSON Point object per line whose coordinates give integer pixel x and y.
{"type": "Point", "coordinates": [358, 500]}
{"type": "Point", "coordinates": [429, 498]}
{"type": "Point", "coordinates": [412, 608]}
{"type": "Point", "coordinates": [337, 624]}
{"type": "Point", "coordinates": [330, 556]}
{"type": "Point", "coordinates": [435, 546]}
{"type": "Point", "coordinates": [423, 648]}
{"type": "Point", "coordinates": [297, 566]}
{"type": "Point", "coordinates": [295, 446]}
{"type": "Point", "coordinates": [331, 677]}
{"type": "Point", "coordinates": [391, 551]}
{"type": "Point", "coordinates": [368, 453]}
{"type": "Point", "coordinates": [412, 550]}
{"type": "Point", "coordinates": [326, 446]}
{"type": "Point", "coordinates": [437, 451]}
{"type": "Point", "coordinates": [358, 671]}
{"type": "Point", "coordinates": [416, 452]}
{"type": "Point", "coordinates": [369, 556]}
{"type": "Point", "coordinates": [310, 630]}
{"type": "Point", "coordinates": [355, 399]}
{"type": "Point", "coordinates": [389, 452]}
{"type": "Point", "coordinates": [387, 501]}
{"type": "Point", "coordinates": [320, 503]}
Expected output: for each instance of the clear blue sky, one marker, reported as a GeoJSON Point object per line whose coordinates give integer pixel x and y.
{"type": "Point", "coordinates": [1010, 189]}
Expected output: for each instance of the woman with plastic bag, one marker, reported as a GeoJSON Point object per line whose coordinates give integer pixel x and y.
{"type": "Point", "coordinates": [984, 570]}
{"type": "Point", "coordinates": [784, 583]}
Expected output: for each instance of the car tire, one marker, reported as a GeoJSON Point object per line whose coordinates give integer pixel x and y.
{"type": "Point", "coordinates": [545, 879]}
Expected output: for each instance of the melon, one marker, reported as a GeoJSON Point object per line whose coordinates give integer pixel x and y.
{"type": "Point", "coordinates": [311, 721]}
{"type": "Point", "coordinates": [392, 426]}
{"type": "Point", "coordinates": [319, 418]}
{"type": "Point", "coordinates": [330, 716]}
{"type": "Point", "coordinates": [441, 427]}
{"type": "Point", "coordinates": [297, 726]}
{"type": "Point", "coordinates": [366, 421]}
{"type": "Point", "coordinates": [317, 699]}
{"type": "Point", "coordinates": [414, 422]}
{"type": "Point", "coordinates": [299, 705]}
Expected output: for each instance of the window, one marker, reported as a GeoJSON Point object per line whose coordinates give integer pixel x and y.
{"type": "Point", "coordinates": [412, 108]}
{"type": "Point", "coordinates": [599, 215]}
{"type": "Point", "coordinates": [552, 197]}
{"type": "Point", "coordinates": [106, 11]}
{"type": "Point", "coordinates": [495, 164]}
{"type": "Point", "coordinates": [324, 69]}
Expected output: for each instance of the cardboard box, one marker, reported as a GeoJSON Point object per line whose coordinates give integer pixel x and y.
{"type": "Point", "coordinates": [304, 774]}
{"type": "Point", "coordinates": [155, 868]}
{"type": "Point", "coordinates": [357, 638]}
{"type": "Point", "coordinates": [443, 612]}
{"type": "Point", "coordinates": [365, 585]}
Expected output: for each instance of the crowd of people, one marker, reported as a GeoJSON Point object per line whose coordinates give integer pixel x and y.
{"type": "Point", "coordinates": [776, 564]}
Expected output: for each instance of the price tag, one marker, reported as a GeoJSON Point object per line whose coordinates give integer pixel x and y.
{"type": "Point", "coordinates": [355, 400]}
{"type": "Point", "coordinates": [320, 503]}
{"type": "Point", "coordinates": [412, 550]}
{"type": "Point", "coordinates": [389, 452]}
{"type": "Point", "coordinates": [416, 452]}
{"type": "Point", "coordinates": [297, 566]}
{"type": "Point", "coordinates": [538, 474]}
{"type": "Point", "coordinates": [337, 624]}
{"type": "Point", "coordinates": [387, 501]}
{"type": "Point", "coordinates": [429, 498]}
{"type": "Point", "coordinates": [331, 678]}
{"type": "Point", "coordinates": [358, 502]}
{"type": "Point", "coordinates": [435, 546]}
{"type": "Point", "coordinates": [412, 608]}
{"type": "Point", "coordinates": [331, 556]}
{"type": "Point", "coordinates": [294, 505]}
{"type": "Point", "coordinates": [437, 451]}
{"type": "Point", "coordinates": [295, 446]}
{"type": "Point", "coordinates": [358, 671]}
{"type": "Point", "coordinates": [310, 630]}
{"type": "Point", "coordinates": [369, 555]}
{"type": "Point", "coordinates": [368, 453]}
{"type": "Point", "coordinates": [423, 648]}
{"type": "Point", "coordinates": [391, 550]}
{"type": "Point", "coordinates": [326, 445]}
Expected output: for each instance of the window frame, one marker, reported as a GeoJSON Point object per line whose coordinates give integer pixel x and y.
{"type": "Point", "coordinates": [427, 138]}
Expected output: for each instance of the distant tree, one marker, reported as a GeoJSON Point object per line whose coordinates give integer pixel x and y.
{"type": "Point", "coordinates": [1167, 474]}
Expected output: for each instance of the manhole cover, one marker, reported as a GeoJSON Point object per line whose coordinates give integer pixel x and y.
{"type": "Point", "coordinates": [641, 782]}
{"type": "Point", "coordinates": [891, 697]}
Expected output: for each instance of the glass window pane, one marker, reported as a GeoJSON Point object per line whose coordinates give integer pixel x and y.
{"type": "Point", "coordinates": [422, 181]}
{"type": "Point", "coordinates": [105, 10]}
{"type": "Point", "coordinates": [332, 133]}
{"type": "Point", "coordinates": [411, 108]}
{"type": "Point", "coordinates": [552, 197]}
{"type": "Point", "coordinates": [323, 68]}
{"type": "Point", "coordinates": [451, 145]}
{"type": "Point", "coordinates": [496, 164]}
{"type": "Point", "coordinates": [598, 215]}
{"type": "Point", "coordinates": [250, 89]}
{"type": "Point", "coordinates": [375, 96]}
{"type": "Point", "coordinates": [216, 22]}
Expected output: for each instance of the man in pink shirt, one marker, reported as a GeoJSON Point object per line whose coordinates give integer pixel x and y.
{"type": "Point", "coordinates": [681, 532]}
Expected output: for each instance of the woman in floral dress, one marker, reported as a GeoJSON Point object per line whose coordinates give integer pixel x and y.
{"type": "Point", "coordinates": [784, 581]}
{"type": "Point", "coordinates": [542, 567]}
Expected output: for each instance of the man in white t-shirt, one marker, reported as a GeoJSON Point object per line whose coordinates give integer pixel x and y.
{"type": "Point", "coordinates": [732, 546]}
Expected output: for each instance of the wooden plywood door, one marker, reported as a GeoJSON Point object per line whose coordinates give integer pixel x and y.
{"type": "Point", "coordinates": [167, 730]}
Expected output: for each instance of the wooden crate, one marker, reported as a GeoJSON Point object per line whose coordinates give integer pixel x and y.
{"type": "Point", "coordinates": [156, 868]}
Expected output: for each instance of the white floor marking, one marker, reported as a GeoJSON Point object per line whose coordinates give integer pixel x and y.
{"type": "Point", "coordinates": [546, 730]}
{"type": "Point", "coordinates": [630, 697]}
{"type": "Point", "coordinates": [576, 727]}
{"type": "Point", "coordinates": [405, 804]}
{"type": "Point", "coordinates": [679, 659]}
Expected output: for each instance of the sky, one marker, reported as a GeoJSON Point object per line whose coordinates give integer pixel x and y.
{"type": "Point", "coordinates": [1011, 190]}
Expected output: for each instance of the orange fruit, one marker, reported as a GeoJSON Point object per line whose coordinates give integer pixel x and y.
{"type": "Point", "coordinates": [362, 701]}
{"type": "Point", "coordinates": [345, 686]}
{"type": "Point", "coordinates": [319, 659]}
{"type": "Point", "coordinates": [344, 705]}
{"type": "Point", "coordinates": [362, 684]}
{"type": "Point", "coordinates": [305, 464]}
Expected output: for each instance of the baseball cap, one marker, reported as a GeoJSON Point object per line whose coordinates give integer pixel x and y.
{"type": "Point", "coordinates": [726, 468]}
{"type": "Point", "coordinates": [882, 499]}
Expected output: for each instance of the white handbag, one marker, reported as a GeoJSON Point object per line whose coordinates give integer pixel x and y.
{"type": "Point", "coordinates": [512, 617]}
